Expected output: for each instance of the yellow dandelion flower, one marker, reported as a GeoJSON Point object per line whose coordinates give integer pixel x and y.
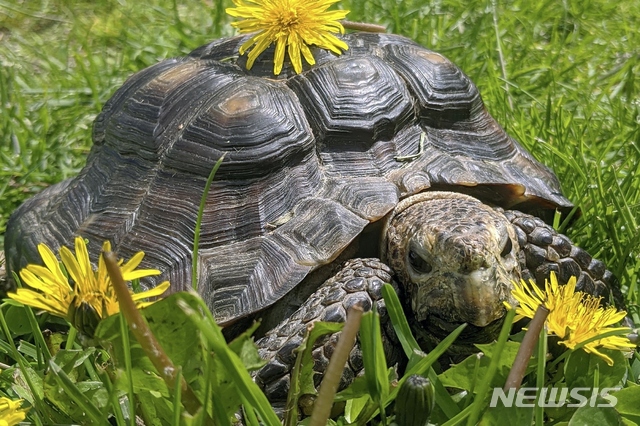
{"type": "Point", "coordinates": [10, 412]}
{"type": "Point", "coordinates": [91, 297]}
{"type": "Point", "coordinates": [574, 316]}
{"type": "Point", "coordinates": [291, 24]}
{"type": "Point", "coordinates": [594, 321]}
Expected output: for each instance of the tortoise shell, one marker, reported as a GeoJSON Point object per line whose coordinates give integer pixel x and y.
{"type": "Point", "coordinates": [310, 161]}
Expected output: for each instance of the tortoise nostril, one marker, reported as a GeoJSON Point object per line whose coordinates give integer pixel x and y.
{"type": "Point", "coordinates": [475, 262]}
{"type": "Point", "coordinates": [508, 246]}
{"type": "Point", "coordinates": [467, 269]}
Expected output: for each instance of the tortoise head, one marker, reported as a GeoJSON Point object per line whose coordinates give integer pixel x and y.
{"type": "Point", "coordinates": [456, 258]}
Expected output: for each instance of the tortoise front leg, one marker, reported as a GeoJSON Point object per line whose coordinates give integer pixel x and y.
{"type": "Point", "coordinates": [543, 249]}
{"type": "Point", "coordinates": [358, 282]}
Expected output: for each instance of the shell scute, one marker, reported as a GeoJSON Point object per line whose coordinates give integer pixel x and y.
{"type": "Point", "coordinates": [257, 124]}
{"type": "Point", "coordinates": [246, 276]}
{"type": "Point", "coordinates": [137, 125]}
{"type": "Point", "coordinates": [369, 198]}
{"type": "Point", "coordinates": [315, 241]}
{"type": "Point", "coordinates": [358, 98]}
{"type": "Point", "coordinates": [131, 86]}
{"type": "Point", "coordinates": [444, 93]}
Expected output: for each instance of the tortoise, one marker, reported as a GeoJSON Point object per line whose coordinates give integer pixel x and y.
{"type": "Point", "coordinates": [384, 157]}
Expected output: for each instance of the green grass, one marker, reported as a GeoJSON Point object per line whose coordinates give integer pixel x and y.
{"type": "Point", "coordinates": [559, 76]}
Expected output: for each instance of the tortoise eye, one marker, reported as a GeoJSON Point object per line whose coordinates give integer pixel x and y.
{"type": "Point", "coordinates": [508, 246]}
{"type": "Point", "coordinates": [418, 263]}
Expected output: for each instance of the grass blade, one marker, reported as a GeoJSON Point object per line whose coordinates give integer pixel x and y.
{"type": "Point", "coordinates": [77, 396]}
{"type": "Point", "coordinates": [140, 329]}
{"type": "Point", "coordinates": [412, 350]}
{"type": "Point", "coordinates": [420, 368]}
{"type": "Point", "coordinates": [423, 366]}
{"type": "Point", "coordinates": [375, 364]}
{"type": "Point", "coordinates": [540, 376]}
{"type": "Point", "coordinates": [241, 378]}
{"type": "Point", "coordinates": [479, 401]}
{"type": "Point", "coordinates": [399, 321]}
{"type": "Point", "coordinates": [303, 368]}
{"type": "Point", "coordinates": [37, 393]}
{"type": "Point", "coordinates": [196, 234]}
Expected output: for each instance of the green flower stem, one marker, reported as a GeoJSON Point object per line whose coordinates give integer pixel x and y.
{"type": "Point", "coordinates": [71, 337]}
{"type": "Point", "coordinates": [126, 346]}
{"type": "Point", "coordinates": [37, 336]}
{"type": "Point", "coordinates": [514, 379]}
{"type": "Point", "coordinates": [145, 337]}
{"type": "Point", "coordinates": [331, 379]}
{"type": "Point", "coordinates": [105, 377]}
{"type": "Point", "coordinates": [177, 397]}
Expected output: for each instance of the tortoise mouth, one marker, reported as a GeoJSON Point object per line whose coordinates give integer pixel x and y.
{"type": "Point", "coordinates": [441, 328]}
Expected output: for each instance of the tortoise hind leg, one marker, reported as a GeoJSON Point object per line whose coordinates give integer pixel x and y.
{"type": "Point", "coordinates": [358, 282]}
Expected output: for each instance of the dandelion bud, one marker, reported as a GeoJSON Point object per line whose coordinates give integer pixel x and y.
{"type": "Point", "coordinates": [415, 402]}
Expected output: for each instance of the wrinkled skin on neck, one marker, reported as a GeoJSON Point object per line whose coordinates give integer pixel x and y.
{"type": "Point", "coordinates": [456, 258]}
